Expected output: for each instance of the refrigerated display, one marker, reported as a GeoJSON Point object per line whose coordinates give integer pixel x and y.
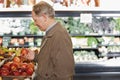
{"type": "Point", "coordinates": [94, 51]}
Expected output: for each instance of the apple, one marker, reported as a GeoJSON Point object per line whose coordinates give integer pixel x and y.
{"type": "Point", "coordinates": [16, 59]}
{"type": "Point", "coordinates": [23, 66]}
{"type": "Point", "coordinates": [24, 51]}
{"type": "Point", "coordinates": [4, 72]}
{"type": "Point", "coordinates": [22, 59]}
{"type": "Point", "coordinates": [29, 71]}
{"type": "Point", "coordinates": [13, 66]}
{"type": "Point", "coordinates": [5, 66]}
{"type": "Point", "coordinates": [16, 73]}
{"type": "Point", "coordinates": [0, 72]}
{"type": "Point", "coordinates": [20, 70]}
{"type": "Point", "coordinates": [30, 65]}
{"type": "Point", "coordinates": [24, 74]}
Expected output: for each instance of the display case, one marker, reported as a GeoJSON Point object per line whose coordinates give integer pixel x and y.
{"type": "Point", "coordinates": [96, 67]}
{"type": "Point", "coordinates": [103, 64]}
{"type": "Point", "coordinates": [106, 65]}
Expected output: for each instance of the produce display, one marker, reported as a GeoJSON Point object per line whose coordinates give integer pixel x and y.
{"type": "Point", "coordinates": [81, 34]}
{"type": "Point", "coordinates": [84, 42]}
{"type": "Point", "coordinates": [85, 56]}
{"type": "Point", "coordinates": [6, 53]}
{"type": "Point", "coordinates": [18, 65]}
{"type": "Point", "coordinates": [99, 25]}
{"type": "Point", "coordinates": [19, 26]}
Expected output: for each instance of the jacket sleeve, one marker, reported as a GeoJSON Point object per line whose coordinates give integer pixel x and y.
{"type": "Point", "coordinates": [35, 59]}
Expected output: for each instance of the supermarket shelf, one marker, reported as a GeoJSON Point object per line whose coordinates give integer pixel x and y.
{"type": "Point", "coordinates": [59, 8]}
{"type": "Point", "coordinates": [21, 36]}
{"type": "Point", "coordinates": [85, 35]}
{"type": "Point", "coordinates": [15, 14]}
{"type": "Point", "coordinates": [79, 49]}
{"type": "Point", "coordinates": [95, 35]}
{"type": "Point", "coordinates": [99, 73]}
{"type": "Point", "coordinates": [21, 46]}
{"type": "Point", "coordinates": [113, 54]}
{"type": "Point", "coordinates": [108, 45]}
{"type": "Point", "coordinates": [72, 35]}
{"type": "Point", "coordinates": [62, 11]}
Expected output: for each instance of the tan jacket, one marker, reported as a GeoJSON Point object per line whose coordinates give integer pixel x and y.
{"type": "Point", "coordinates": [55, 60]}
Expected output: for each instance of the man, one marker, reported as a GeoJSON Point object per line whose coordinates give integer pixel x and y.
{"type": "Point", "coordinates": [55, 59]}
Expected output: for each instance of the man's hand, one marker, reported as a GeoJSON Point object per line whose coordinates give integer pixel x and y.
{"type": "Point", "coordinates": [30, 55]}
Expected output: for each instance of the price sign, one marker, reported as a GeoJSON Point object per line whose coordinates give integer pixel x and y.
{"type": "Point", "coordinates": [6, 41]}
{"type": "Point", "coordinates": [86, 18]}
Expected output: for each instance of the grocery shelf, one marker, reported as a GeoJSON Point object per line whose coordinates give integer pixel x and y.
{"type": "Point", "coordinates": [79, 49]}
{"type": "Point", "coordinates": [95, 35]}
{"type": "Point", "coordinates": [62, 8]}
{"type": "Point", "coordinates": [108, 45]}
{"type": "Point", "coordinates": [85, 35]}
{"type": "Point", "coordinates": [22, 46]}
{"type": "Point", "coordinates": [15, 14]}
{"type": "Point", "coordinates": [72, 35]}
{"type": "Point", "coordinates": [99, 73]}
{"type": "Point", "coordinates": [21, 36]}
{"type": "Point", "coordinates": [113, 54]}
{"type": "Point", "coordinates": [62, 11]}
{"type": "Point", "coordinates": [111, 35]}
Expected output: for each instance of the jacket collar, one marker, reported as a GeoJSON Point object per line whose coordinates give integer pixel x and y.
{"type": "Point", "coordinates": [49, 34]}
{"type": "Point", "coordinates": [51, 31]}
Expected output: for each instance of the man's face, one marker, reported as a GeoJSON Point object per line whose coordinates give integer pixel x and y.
{"type": "Point", "coordinates": [38, 21]}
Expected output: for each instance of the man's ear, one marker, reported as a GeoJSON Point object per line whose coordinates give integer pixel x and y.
{"type": "Point", "coordinates": [45, 17]}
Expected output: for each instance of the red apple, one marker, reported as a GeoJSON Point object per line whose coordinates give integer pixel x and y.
{"type": "Point", "coordinates": [5, 66]}
{"type": "Point", "coordinates": [20, 70]}
{"type": "Point", "coordinates": [4, 72]}
{"type": "Point", "coordinates": [24, 51]}
{"type": "Point", "coordinates": [13, 66]}
{"type": "Point", "coordinates": [16, 59]}
{"type": "Point", "coordinates": [29, 71]}
{"type": "Point", "coordinates": [23, 66]}
{"type": "Point", "coordinates": [30, 65]}
{"type": "Point", "coordinates": [16, 73]}
{"type": "Point", "coordinates": [24, 74]}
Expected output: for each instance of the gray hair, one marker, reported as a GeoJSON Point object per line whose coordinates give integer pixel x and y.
{"type": "Point", "coordinates": [44, 8]}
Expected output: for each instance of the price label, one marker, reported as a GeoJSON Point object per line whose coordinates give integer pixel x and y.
{"type": "Point", "coordinates": [6, 41]}
{"type": "Point", "coordinates": [86, 18]}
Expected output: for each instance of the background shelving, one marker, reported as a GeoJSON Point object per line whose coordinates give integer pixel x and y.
{"type": "Point", "coordinates": [63, 15]}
